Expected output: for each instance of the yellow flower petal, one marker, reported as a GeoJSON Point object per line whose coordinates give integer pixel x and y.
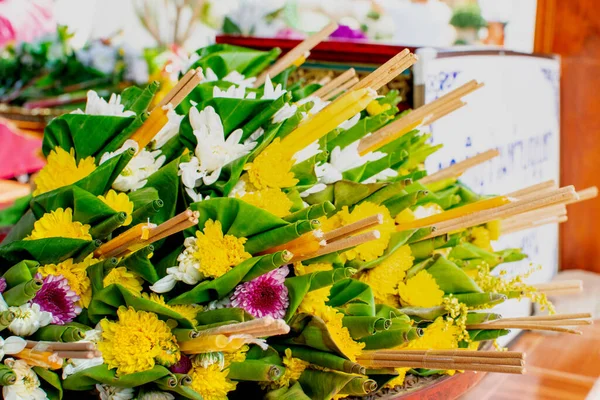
{"type": "Point", "coordinates": [75, 274]}
{"type": "Point", "coordinates": [421, 291]}
{"type": "Point", "coordinates": [61, 170]}
{"type": "Point", "coordinates": [129, 280]}
{"type": "Point", "coordinates": [272, 200]}
{"type": "Point", "coordinates": [271, 168]}
{"type": "Point", "coordinates": [59, 223]}
{"type": "Point", "coordinates": [119, 202]}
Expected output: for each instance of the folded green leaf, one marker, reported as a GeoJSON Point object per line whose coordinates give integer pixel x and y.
{"type": "Point", "coordinates": [45, 251]}
{"type": "Point", "coordinates": [424, 314]}
{"type": "Point", "coordinates": [50, 383]}
{"type": "Point", "coordinates": [344, 193]}
{"type": "Point", "coordinates": [6, 317]}
{"type": "Point", "coordinates": [7, 376]}
{"type": "Point", "coordinates": [255, 371]}
{"type": "Point", "coordinates": [480, 299]}
{"type": "Point", "coordinates": [323, 385]}
{"type": "Point", "coordinates": [399, 333]}
{"type": "Point", "coordinates": [22, 293]}
{"type": "Point", "coordinates": [88, 378]}
{"type": "Point", "coordinates": [322, 359]}
{"type": "Point", "coordinates": [138, 100]}
{"type": "Point", "coordinates": [487, 334]}
{"type": "Point", "coordinates": [279, 236]}
{"type": "Point", "coordinates": [19, 273]}
{"type": "Point", "coordinates": [71, 332]}
{"type": "Point", "coordinates": [12, 214]}
{"type": "Point", "coordinates": [294, 392]}
{"type": "Point", "coordinates": [451, 279]}
{"type": "Point", "coordinates": [360, 327]}
{"type": "Point", "coordinates": [139, 263]}
{"type": "Point", "coordinates": [312, 212]}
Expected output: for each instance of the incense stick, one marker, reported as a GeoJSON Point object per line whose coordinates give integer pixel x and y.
{"type": "Point", "coordinates": [353, 228]}
{"type": "Point", "coordinates": [294, 54]}
{"type": "Point", "coordinates": [335, 83]}
{"type": "Point", "coordinates": [340, 245]}
{"type": "Point", "coordinates": [178, 86]}
{"type": "Point", "coordinates": [341, 89]}
{"type": "Point", "coordinates": [521, 325]}
{"type": "Point", "coordinates": [447, 110]}
{"type": "Point", "coordinates": [457, 352]}
{"type": "Point", "coordinates": [556, 317]}
{"type": "Point", "coordinates": [238, 327]}
{"type": "Point", "coordinates": [386, 72]}
{"type": "Point", "coordinates": [534, 189]}
{"type": "Point", "coordinates": [187, 88]}
{"type": "Point", "coordinates": [459, 168]}
{"type": "Point", "coordinates": [559, 285]}
{"type": "Point", "coordinates": [509, 369]}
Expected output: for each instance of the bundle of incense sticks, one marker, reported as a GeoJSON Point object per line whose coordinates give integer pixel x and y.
{"type": "Point", "coordinates": [456, 170]}
{"type": "Point", "coordinates": [143, 235]}
{"type": "Point", "coordinates": [184, 87]}
{"type": "Point", "coordinates": [296, 53]}
{"type": "Point", "coordinates": [81, 350]}
{"type": "Point", "coordinates": [305, 244]}
{"type": "Point", "coordinates": [388, 71]}
{"type": "Point", "coordinates": [334, 84]}
{"type": "Point", "coordinates": [553, 323]}
{"type": "Point", "coordinates": [353, 229]}
{"type": "Point", "coordinates": [464, 360]}
{"type": "Point", "coordinates": [558, 288]}
{"type": "Point", "coordinates": [339, 245]}
{"type": "Point", "coordinates": [260, 327]}
{"type": "Point", "coordinates": [422, 115]}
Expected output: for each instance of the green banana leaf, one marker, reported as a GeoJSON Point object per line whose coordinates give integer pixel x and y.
{"type": "Point", "coordinates": [106, 302]}
{"type": "Point", "coordinates": [264, 116]}
{"type": "Point", "coordinates": [255, 371]}
{"type": "Point", "coordinates": [362, 128]}
{"type": "Point", "coordinates": [216, 289]}
{"type": "Point", "coordinates": [138, 100]}
{"type": "Point", "coordinates": [360, 386]}
{"type": "Point", "coordinates": [480, 299]}
{"type": "Point", "coordinates": [223, 314]}
{"type": "Point", "coordinates": [50, 383]}
{"type": "Point", "coordinates": [22, 293]}
{"type": "Point", "coordinates": [388, 312]}
{"type": "Point", "coordinates": [451, 279]}
{"type": "Point", "coordinates": [70, 332]}
{"type": "Point", "coordinates": [487, 334]}
{"type": "Point", "coordinates": [87, 134]}
{"type": "Point", "coordinates": [19, 273]}
{"type": "Point", "coordinates": [139, 263]}
{"type": "Point", "coordinates": [322, 359]}
{"type": "Point", "coordinates": [353, 298]}
{"type": "Point", "coordinates": [225, 58]}
{"type": "Point", "coordinates": [360, 327]}
{"type": "Point", "coordinates": [387, 192]}
{"type": "Point", "coordinates": [397, 240]}
{"type": "Point", "coordinates": [424, 314]}
{"type": "Point", "coordinates": [294, 392]}
{"type": "Point", "coordinates": [87, 379]}
{"type": "Point", "coordinates": [400, 332]}
{"type": "Point", "coordinates": [299, 286]}
{"type": "Point", "coordinates": [371, 168]}
{"type": "Point", "coordinates": [12, 214]}
{"type": "Point", "coordinates": [46, 251]}
{"type": "Point", "coordinates": [183, 391]}
{"type": "Point", "coordinates": [7, 376]}
{"type": "Point", "coordinates": [344, 193]}
{"type": "Point", "coordinates": [279, 236]}
{"type": "Point", "coordinates": [312, 212]}
{"type": "Point", "coordinates": [323, 385]}
{"type": "Point", "coordinates": [420, 266]}
{"type": "Point", "coordinates": [6, 317]}
{"type": "Point", "coordinates": [479, 318]}
{"type": "Point", "coordinates": [399, 203]}
{"type": "Point", "coordinates": [166, 182]}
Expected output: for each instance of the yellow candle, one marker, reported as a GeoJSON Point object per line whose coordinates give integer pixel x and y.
{"type": "Point", "coordinates": [44, 359]}
{"type": "Point", "coordinates": [155, 122]}
{"type": "Point", "coordinates": [454, 213]}
{"type": "Point", "coordinates": [204, 344]}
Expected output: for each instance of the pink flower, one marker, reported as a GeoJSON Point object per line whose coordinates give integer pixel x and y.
{"type": "Point", "coordinates": [57, 298]}
{"type": "Point", "coordinates": [2, 285]}
{"type": "Point", "coordinates": [263, 296]}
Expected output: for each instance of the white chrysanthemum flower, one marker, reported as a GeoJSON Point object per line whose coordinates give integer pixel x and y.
{"type": "Point", "coordinates": [272, 92]}
{"type": "Point", "coordinates": [135, 175]}
{"type": "Point", "coordinates": [169, 130]}
{"type": "Point", "coordinates": [285, 112]}
{"type": "Point", "coordinates": [239, 79]}
{"type": "Point", "coordinates": [232, 92]}
{"type": "Point", "coordinates": [209, 74]}
{"type": "Point", "coordinates": [309, 151]}
{"type": "Point", "coordinates": [28, 319]}
{"type": "Point", "coordinates": [225, 302]}
{"type": "Point", "coordinates": [254, 136]}
{"type": "Point", "coordinates": [99, 56]}
{"type": "Point", "coordinates": [156, 396]}
{"type": "Point", "coordinates": [327, 173]}
{"type": "Point", "coordinates": [96, 105]}
{"type": "Point", "coordinates": [11, 345]}
{"type": "Point", "coordinates": [213, 150]}
{"type": "Point", "coordinates": [382, 176]}
{"type": "Point", "coordinates": [350, 122]}
{"type": "Point", "coordinates": [27, 386]}
{"type": "Point", "coordinates": [115, 393]}
{"type": "Point", "coordinates": [318, 104]}
{"type": "Point", "coordinates": [75, 365]}
{"type": "Point", "coordinates": [187, 271]}
{"type": "Point", "coordinates": [190, 172]}
{"type": "Point", "coordinates": [348, 158]}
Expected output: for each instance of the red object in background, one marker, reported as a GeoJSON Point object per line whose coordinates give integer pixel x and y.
{"type": "Point", "coordinates": [341, 51]}
{"type": "Point", "coordinates": [18, 153]}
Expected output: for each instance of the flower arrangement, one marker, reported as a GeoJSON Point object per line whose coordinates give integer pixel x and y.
{"type": "Point", "coordinates": [250, 236]}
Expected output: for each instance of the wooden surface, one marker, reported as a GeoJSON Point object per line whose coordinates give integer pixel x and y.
{"type": "Point", "coordinates": [572, 30]}
{"type": "Point", "coordinates": [559, 367]}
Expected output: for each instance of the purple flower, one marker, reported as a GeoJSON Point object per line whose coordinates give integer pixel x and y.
{"type": "Point", "coordinates": [57, 298]}
{"type": "Point", "coordinates": [263, 296]}
{"type": "Point", "coordinates": [345, 32]}
{"type": "Point", "coordinates": [183, 366]}
{"type": "Point", "coordinates": [2, 285]}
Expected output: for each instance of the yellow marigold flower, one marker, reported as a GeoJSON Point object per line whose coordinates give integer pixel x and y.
{"type": "Point", "coordinates": [59, 223]}
{"type": "Point", "coordinates": [385, 278]}
{"type": "Point", "coordinates": [294, 367]}
{"type": "Point", "coordinates": [119, 202]}
{"type": "Point", "coordinates": [218, 253]}
{"type": "Point", "coordinates": [237, 356]}
{"type": "Point", "coordinates": [136, 342]}
{"type": "Point", "coordinates": [76, 275]}
{"type": "Point", "coordinates": [188, 311]}
{"type": "Point", "coordinates": [399, 380]}
{"type": "Point", "coordinates": [272, 200]}
{"type": "Point", "coordinates": [301, 269]}
{"type": "Point", "coordinates": [61, 170]}
{"type": "Point", "coordinates": [440, 335]}
{"type": "Point", "coordinates": [314, 301]}
{"type": "Point", "coordinates": [271, 168]}
{"type": "Point", "coordinates": [405, 216]}
{"type": "Point", "coordinates": [421, 291]}
{"type": "Point", "coordinates": [480, 237]}
{"type": "Point", "coordinates": [211, 382]}
{"type": "Point", "coordinates": [376, 108]}
{"type": "Point", "coordinates": [128, 279]}
{"type": "Point", "coordinates": [493, 228]}
{"type": "Point", "coordinates": [371, 250]}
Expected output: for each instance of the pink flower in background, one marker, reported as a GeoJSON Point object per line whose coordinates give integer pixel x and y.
{"type": "Point", "coordinates": [264, 296]}
{"type": "Point", "coordinates": [345, 32]}
{"type": "Point", "coordinates": [289, 33]}
{"type": "Point", "coordinates": [57, 298]}
{"type": "Point", "coordinates": [25, 20]}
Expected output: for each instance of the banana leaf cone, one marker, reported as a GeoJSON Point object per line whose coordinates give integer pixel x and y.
{"type": "Point", "coordinates": [387, 192]}
{"type": "Point", "coordinates": [323, 385]}
{"type": "Point", "coordinates": [148, 210]}
{"type": "Point", "coordinates": [399, 333]}
{"type": "Point", "coordinates": [279, 236]}
{"type": "Point", "coordinates": [223, 314]}
{"type": "Point", "coordinates": [360, 327]}
{"type": "Point", "coordinates": [344, 193]}
{"type": "Point", "coordinates": [255, 371]}
{"type": "Point", "coordinates": [299, 286]}
{"type": "Point", "coordinates": [166, 182]}
{"type": "Point", "coordinates": [217, 288]}
{"type": "Point", "coordinates": [139, 263]}
{"type": "Point", "coordinates": [264, 115]}
{"type": "Point", "coordinates": [108, 300]}
{"type": "Point", "coordinates": [424, 249]}
{"type": "Point", "coordinates": [19, 273]}
{"type": "Point", "coordinates": [360, 386]}
{"type": "Point", "coordinates": [294, 392]}
{"type": "Point", "coordinates": [22, 293]}
{"type": "Point", "coordinates": [422, 265]}
{"type": "Point", "coordinates": [6, 317]}
{"type": "Point", "coordinates": [481, 317]}
{"type": "Point", "coordinates": [469, 251]}
{"type": "Point", "coordinates": [46, 251]}
{"type": "Point", "coordinates": [452, 279]}
{"type": "Point", "coordinates": [399, 203]}
{"type": "Point", "coordinates": [322, 359]}
{"type": "Point", "coordinates": [70, 332]}
{"type": "Point", "coordinates": [312, 212]}
{"type": "Point", "coordinates": [481, 335]}
{"type": "Point", "coordinates": [96, 273]}
{"type": "Point", "coordinates": [389, 312]}
{"type": "Point", "coordinates": [353, 298]}
{"type": "Point", "coordinates": [419, 314]}
{"type": "Point", "coordinates": [361, 129]}
{"type": "Point", "coordinates": [106, 227]}
{"type": "Point", "coordinates": [88, 378]}
{"type": "Point", "coordinates": [481, 299]}
{"type": "Point", "coordinates": [397, 240]}
{"type": "Point", "coordinates": [311, 331]}
{"type": "Point", "coordinates": [8, 377]}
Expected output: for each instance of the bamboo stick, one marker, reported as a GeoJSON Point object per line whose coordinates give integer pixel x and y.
{"type": "Point", "coordinates": [341, 89]}
{"type": "Point", "coordinates": [340, 245]}
{"type": "Point", "coordinates": [178, 86]}
{"type": "Point", "coordinates": [587, 194]}
{"type": "Point", "coordinates": [294, 54]}
{"type": "Point", "coordinates": [458, 352]}
{"type": "Point", "coordinates": [76, 354]}
{"type": "Point", "coordinates": [392, 73]}
{"type": "Point", "coordinates": [240, 327]}
{"type": "Point", "coordinates": [388, 71]}
{"type": "Point", "coordinates": [559, 285]}
{"type": "Point", "coordinates": [449, 109]}
{"type": "Point", "coordinates": [556, 317]}
{"type": "Point", "coordinates": [448, 359]}
{"type": "Point", "coordinates": [187, 88]}
{"type": "Point", "coordinates": [529, 225]}
{"type": "Point", "coordinates": [447, 366]}
{"type": "Point", "coordinates": [176, 220]}
{"type": "Point", "coordinates": [459, 168]}
{"type": "Point", "coordinates": [526, 326]}
{"type": "Point", "coordinates": [335, 83]}
{"type": "Point", "coordinates": [551, 184]}
{"type": "Point", "coordinates": [353, 228]}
